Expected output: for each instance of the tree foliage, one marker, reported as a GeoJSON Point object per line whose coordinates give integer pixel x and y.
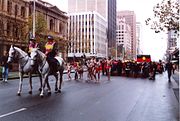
{"type": "Point", "coordinates": [166, 16]}
{"type": "Point", "coordinates": [40, 26]}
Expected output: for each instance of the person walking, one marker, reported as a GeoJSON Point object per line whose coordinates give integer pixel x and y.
{"type": "Point", "coordinates": [169, 68]}
{"type": "Point", "coordinates": [69, 71]}
{"type": "Point", "coordinates": [5, 70]}
{"type": "Point", "coordinates": [108, 67]}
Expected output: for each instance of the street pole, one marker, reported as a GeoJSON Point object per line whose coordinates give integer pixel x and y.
{"type": "Point", "coordinates": [116, 50]}
{"type": "Point", "coordinates": [34, 13]}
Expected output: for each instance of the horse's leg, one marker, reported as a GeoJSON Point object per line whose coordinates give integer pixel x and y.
{"type": "Point", "coordinates": [56, 83]}
{"type": "Point", "coordinates": [61, 80]}
{"type": "Point", "coordinates": [20, 83]}
{"type": "Point", "coordinates": [30, 82]}
{"type": "Point", "coordinates": [48, 86]}
{"type": "Point", "coordinates": [40, 77]}
{"type": "Point", "coordinates": [44, 79]}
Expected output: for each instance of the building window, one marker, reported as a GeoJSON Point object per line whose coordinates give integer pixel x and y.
{"type": "Point", "coordinates": [16, 10]}
{"type": "Point", "coordinates": [9, 7]}
{"type": "Point", "coordinates": [23, 11]}
{"type": "Point", "coordinates": [60, 27]}
{"type": "Point", "coordinates": [15, 32]}
{"type": "Point", "coordinates": [51, 24]}
{"type": "Point", "coordinates": [8, 28]}
{"type": "Point", "coordinates": [2, 5]}
{"type": "Point", "coordinates": [2, 27]}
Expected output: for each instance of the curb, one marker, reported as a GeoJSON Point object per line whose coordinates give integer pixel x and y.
{"type": "Point", "coordinates": [175, 88]}
{"type": "Point", "coordinates": [35, 75]}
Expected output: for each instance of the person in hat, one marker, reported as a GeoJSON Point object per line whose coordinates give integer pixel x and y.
{"type": "Point", "coordinates": [32, 44]}
{"type": "Point", "coordinates": [51, 47]}
{"type": "Point", "coordinates": [51, 51]}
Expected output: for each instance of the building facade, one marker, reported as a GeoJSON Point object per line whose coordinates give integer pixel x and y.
{"type": "Point", "coordinates": [87, 35]}
{"type": "Point", "coordinates": [138, 38]}
{"type": "Point", "coordinates": [13, 17]}
{"type": "Point", "coordinates": [173, 45]}
{"type": "Point", "coordinates": [123, 39]}
{"type": "Point", "coordinates": [130, 18]}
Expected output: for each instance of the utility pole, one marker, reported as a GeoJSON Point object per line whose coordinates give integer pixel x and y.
{"type": "Point", "coordinates": [34, 15]}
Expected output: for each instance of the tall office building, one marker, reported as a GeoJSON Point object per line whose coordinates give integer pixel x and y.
{"type": "Point", "coordinates": [100, 6]}
{"type": "Point", "coordinates": [87, 35]}
{"type": "Point", "coordinates": [106, 8]}
{"type": "Point", "coordinates": [111, 23]}
{"type": "Point", "coordinates": [138, 37]}
{"type": "Point", "coordinates": [130, 18]}
{"type": "Point", "coordinates": [123, 39]}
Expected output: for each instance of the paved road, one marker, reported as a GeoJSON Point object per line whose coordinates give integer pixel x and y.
{"type": "Point", "coordinates": [121, 99]}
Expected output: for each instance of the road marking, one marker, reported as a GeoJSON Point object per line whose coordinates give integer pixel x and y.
{"type": "Point", "coordinates": [13, 112]}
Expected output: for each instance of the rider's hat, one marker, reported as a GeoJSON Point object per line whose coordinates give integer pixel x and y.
{"type": "Point", "coordinates": [32, 39]}
{"type": "Point", "coordinates": [50, 37]}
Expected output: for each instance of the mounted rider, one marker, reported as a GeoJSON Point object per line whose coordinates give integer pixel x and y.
{"type": "Point", "coordinates": [51, 50]}
{"type": "Point", "coordinates": [32, 44]}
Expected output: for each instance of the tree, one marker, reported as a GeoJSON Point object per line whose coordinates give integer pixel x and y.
{"type": "Point", "coordinates": [40, 27]}
{"type": "Point", "coordinates": [166, 16]}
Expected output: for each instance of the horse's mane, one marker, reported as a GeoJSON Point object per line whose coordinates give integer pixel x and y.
{"type": "Point", "coordinates": [21, 51]}
{"type": "Point", "coordinates": [42, 55]}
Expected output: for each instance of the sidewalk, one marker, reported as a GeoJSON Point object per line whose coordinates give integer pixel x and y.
{"type": "Point", "coordinates": [15, 75]}
{"type": "Point", "coordinates": [175, 76]}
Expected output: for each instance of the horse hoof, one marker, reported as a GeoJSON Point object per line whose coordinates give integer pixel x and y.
{"type": "Point", "coordinates": [40, 89]}
{"type": "Point", "coordinates": [41, 96]}
{"type": "Point", "coordinates": [30, 92]}
{"type": "Point", "coordinates": [18, 94]}
{"type": "Point", "coordinates": [49, 93]}
{"type": "Point", "coordinates": [56, 91]}
{"type": "Point", "coordinates": [59, 91]}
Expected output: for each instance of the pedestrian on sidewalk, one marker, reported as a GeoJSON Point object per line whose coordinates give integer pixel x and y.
{"type": "Point", "coordinates": [5, 65]}
{"type": "Point", "coordinates": [169, 68]}
{"type": "Point", "coordinates": [174, 67]}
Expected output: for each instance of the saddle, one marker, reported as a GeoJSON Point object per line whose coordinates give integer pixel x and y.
{"type": "Point", "coordinates": [53, 64]}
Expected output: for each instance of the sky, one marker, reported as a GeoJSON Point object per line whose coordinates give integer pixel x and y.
{"type": "Point", "coordinates": [151, 42]}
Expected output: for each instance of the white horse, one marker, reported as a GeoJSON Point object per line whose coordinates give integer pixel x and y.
{"type": "Point", "coordinates": [45, 70]}
{"type": "Point", "coordinates": [23, 59]}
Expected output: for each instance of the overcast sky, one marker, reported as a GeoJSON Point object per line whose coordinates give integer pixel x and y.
{"type": "Point", "coordinates": [151, 43]}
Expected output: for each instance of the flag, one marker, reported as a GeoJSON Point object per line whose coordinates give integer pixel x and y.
{"type": "Point", "coordinates": [143, 58]}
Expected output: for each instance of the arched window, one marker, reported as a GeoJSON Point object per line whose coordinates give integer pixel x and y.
{"type": "Point", "coordinates": [51, 24]}
{"type": "Point", "coordinates": [23, 11]}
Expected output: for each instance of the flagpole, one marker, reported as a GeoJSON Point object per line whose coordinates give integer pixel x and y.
{"type": "Point", "coordinates": [34, 13]}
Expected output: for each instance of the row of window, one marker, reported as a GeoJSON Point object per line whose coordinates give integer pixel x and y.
{"type": "Point", "coordinates": [13, 8]}
{"type": "Point", "coordinates": [12, 30]}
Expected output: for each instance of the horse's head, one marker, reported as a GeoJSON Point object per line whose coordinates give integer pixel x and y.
{"type": "Point", "coordinates": [12, 54]}
{"type": "Point", "coordinates": [34, 56]}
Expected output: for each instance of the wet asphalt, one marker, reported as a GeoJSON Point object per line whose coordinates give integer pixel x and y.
{"type": "Point", "coordinates": [121, 99]}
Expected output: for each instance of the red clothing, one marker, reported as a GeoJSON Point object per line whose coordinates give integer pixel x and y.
{"type": "Point", "coordinates": [32, 45]}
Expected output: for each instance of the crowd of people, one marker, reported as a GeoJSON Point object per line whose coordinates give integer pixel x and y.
{"type": "Point", "coordinates": [110, 67]}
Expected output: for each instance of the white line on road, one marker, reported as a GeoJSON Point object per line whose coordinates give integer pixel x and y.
{"type": "Point", "coordinates": [10, 113]}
